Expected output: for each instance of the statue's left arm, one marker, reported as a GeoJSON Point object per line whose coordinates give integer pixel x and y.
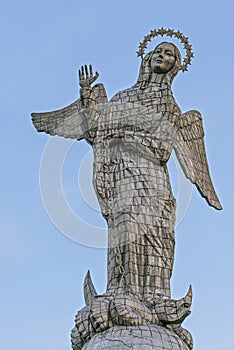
{"type": "Point", "coordinates": [190, 150]}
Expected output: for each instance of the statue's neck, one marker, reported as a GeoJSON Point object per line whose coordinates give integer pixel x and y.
{"type": "Point", "coordinates": [158, 78]}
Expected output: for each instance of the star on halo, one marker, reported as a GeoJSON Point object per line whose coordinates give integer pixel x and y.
{"type": "Point", "coordinates": [140, 52]}
{"type": "Point", "coordinates": [170, 32]}
{"type": "Point", "coordinates": [143, 45]}
{"type": "Point", "coordinates": [154, 33]}
{"type": "Point", "coordinates": [162, 31]}
{"type": "Point", "coordinates": [147, 37]}
{"type": "Point", "coordinates": [184, 67]}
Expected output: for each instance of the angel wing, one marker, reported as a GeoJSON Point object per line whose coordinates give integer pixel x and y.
{"type": "Point", "coordinates": [68, 122]}
{"type": "Point", "coordinates": [190, 151]}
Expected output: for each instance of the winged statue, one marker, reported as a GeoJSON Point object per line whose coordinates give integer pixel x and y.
{"type": "Point", "coordinates": [132, 136]}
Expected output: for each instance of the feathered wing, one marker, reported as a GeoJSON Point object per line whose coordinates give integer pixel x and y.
{"type": "Point", "coordinates": [68, 122]}
{"type": "Point", "coordinates": [190, 151]}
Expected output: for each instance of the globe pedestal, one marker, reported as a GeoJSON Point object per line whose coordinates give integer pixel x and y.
{"type": "Point", "coordinates": [145, 337]}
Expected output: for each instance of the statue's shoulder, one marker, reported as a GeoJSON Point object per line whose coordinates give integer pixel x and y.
{"type": "Point", "coordinates": [124, 94]}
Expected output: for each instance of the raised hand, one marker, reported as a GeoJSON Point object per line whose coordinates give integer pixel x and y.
{"type": "Point", "coordinates": [86, 77]}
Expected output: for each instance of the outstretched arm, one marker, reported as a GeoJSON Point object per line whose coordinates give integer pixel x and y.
{"type": "Point", "coordinates": [87, 95]}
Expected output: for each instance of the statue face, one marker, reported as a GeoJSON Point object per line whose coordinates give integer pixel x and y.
{"type": "Point", "coordinates": [163, 58]}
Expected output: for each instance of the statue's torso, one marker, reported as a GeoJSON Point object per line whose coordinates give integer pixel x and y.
{"type": "Point", "coordinates": [134, 137]}
{"type": "Point", "coordinates": [145, 119]}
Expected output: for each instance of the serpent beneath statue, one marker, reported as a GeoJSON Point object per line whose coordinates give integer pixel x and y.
{"type": "Point", "coordinates": [103, 312]}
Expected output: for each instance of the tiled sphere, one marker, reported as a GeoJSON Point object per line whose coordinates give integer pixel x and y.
{"type": "Point", "coordinates": [146, 337]}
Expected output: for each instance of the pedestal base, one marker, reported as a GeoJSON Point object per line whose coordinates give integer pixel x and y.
{"type": "Point", "coordinates": [145, 337]}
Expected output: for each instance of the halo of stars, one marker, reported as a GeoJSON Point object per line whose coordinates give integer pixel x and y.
{"type": "Point", "coordinates": [171, 33]}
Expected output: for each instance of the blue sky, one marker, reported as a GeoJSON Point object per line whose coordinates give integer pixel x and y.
{"type": "Point", "coordinates": [43, 43]}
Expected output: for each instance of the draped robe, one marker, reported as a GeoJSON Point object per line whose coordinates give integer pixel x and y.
{"type": "Point", "coordinates": [133, 137]}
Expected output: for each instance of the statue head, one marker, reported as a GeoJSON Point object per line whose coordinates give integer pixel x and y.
{"type": "Point", "coordinates": [163, 61]}
{"type": "Point", "coordinates": [163, 58]}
